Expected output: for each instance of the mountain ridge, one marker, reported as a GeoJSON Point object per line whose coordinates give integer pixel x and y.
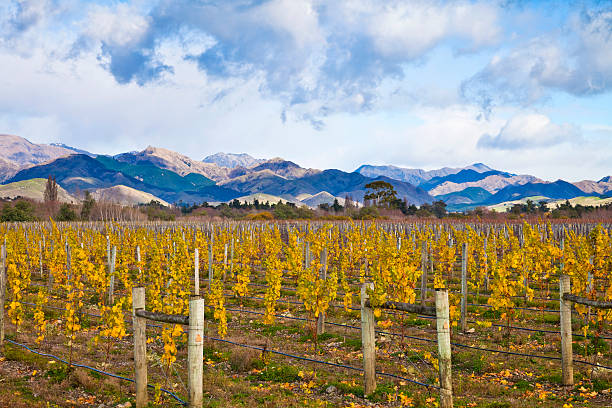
{"type": "Point", "coordinates": [174, 177]}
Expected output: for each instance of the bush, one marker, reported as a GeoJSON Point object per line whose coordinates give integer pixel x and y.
{"type": "Point", "coordinates": [66, 213]}
{"type": "Point", "coordinates": [21, 211]}
{"type": "Point", "coordinates": [264, 215]}
{"type": "Point", "coordinates": [367, 213]}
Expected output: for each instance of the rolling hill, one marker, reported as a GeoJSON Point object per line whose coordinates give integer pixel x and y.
{"type": "Point", "coordinates": [555, 190]}
{"type": "Point", "coordinates": [125, 196]}
{"type": "Point", "coordinates": [33, 189]}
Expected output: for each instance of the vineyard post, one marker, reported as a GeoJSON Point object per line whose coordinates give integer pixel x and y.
{"type": "Point", "coordinates": [368, 341]}
{"type": "Point", "coordinates": [567, 368]}
{"type": "Point", "coordinates": [195, 351]}
{"type": "Point", "coordinates": [224, 261]}
{"type": "Point", "coordinates": [322, 276]}
{"type": "Point", "coordinates": [232, 258]}
{"type": "Point", "coordinates": [138, 262]}
{"type": "Point", "coordinates": [140, 347]}
{"type": "Point", "coordinates": [424, 272]}
{"type": "Point", "coordinates": [40, 258]}
{"type": "Point", "coordinates": [464, 291]}
{"type": "Point", "coordinates": [486, 266]}
{"type": "Point", "coordinates": [210, 265]}
{"type": "Point", "coordinates": [196, 272]}
{"type": "Point", "coordinates": [111, 272]}
{"type": "Point", "coordinates": [2, 292]}
{"type": "Point", "coordinates": [50, 273]}
{"type": "Point", "coordinates": [444, 348]}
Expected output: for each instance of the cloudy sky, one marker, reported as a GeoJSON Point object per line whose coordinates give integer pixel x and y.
{"type": "Point", "coordinates": [521, 86]}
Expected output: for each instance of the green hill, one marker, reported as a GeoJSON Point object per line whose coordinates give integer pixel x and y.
{"type": "Point", "coordinates": [33, 189]}
{"type": "Point", "coordinates": [156, 176]}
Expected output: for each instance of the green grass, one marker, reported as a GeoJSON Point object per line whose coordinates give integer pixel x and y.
{"type": "Point", "coordinates": [277, 373]}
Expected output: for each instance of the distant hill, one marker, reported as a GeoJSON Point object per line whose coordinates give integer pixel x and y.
{"type": "Point", "coordinates": [175, 178]}
{"type": "Point", "coordinates": [322, 198]}
{"type": "Point", "coordinates": [73, 149]}
{"type": "Point", "coordinates": [415, 176]}
{"type": "Point", "coordinates": [125, 196]}
{"type": "Point", "coordinates": [600, 187]}
{"type": "Point", "coordinates": [155, 176]}
{"type": "Point", "coordinates": [557, 190]}
{"type": "Point", "coordinates": [232, 160]}
{"type": "Point", "coordinates": [80, 172]}
{"type": "Point", "coordinates": [33, 189]}
{"type": "Point", "coordinates": [459, 200]}
{"type": "Point", "coordinates": [173, 161]}
{"type": "Point", "coordinates": [464, 176]}
{"type": "Point", "coordinates": [492, 183]}
{"type": "Point", "coordinates": [17, 153]}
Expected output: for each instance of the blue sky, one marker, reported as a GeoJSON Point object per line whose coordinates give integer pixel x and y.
{"type": "Point", "coordinates": [521, 86]}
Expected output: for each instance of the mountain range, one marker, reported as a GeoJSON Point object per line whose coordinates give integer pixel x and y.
{"type": "Point", "coordinates": [169, 177]}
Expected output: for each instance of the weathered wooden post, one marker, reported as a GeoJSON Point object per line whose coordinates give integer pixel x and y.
{"type": "Point", "coordinates": [464, 290]}
{"type": "Point", "coordinates": [139, 325]}
{"type": "Point", "coordinates": [2, 291]}
{"type": "Point", "coordinates": [224, 261]}
{"type": "Point", "coordinates": [423, 272]}
{"type": "Point", "coordinates": [210, 265]}
{"type": "Point", "coordinates": [444, 348]}
{"type": "Point", "coordinates": [111, 272]}
{"type": "Point", "coordinates": [322, 276]}
{"type": "Point", "coordinates": [50, 274]}
{"type": "Point", "coordinates": [195, 351]}
{"type": "Point", "coordinates": [196, 272]}
{"type": "Point", "coordinates": [486, 265]}
{"type": "Point", "coordinates": [567, 368]}
{"type": "Point", "coordinates": [368, 342]}
{"type": "Point", "coordinates": [40, 258]}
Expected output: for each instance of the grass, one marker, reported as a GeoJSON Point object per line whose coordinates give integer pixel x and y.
{"type": "Point", "coordinates": [277, 373]}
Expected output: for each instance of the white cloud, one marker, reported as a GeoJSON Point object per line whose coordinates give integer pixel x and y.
{"type": "Point", "coordinates": [576, 59]}
{"type": "Point", "coordinates": [121, 25]}
{"type": "Point", "coordinates": [527, 131]}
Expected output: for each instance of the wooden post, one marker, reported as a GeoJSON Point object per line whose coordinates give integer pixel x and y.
{"type": "Point", "coordinates": [139, 325]}
{"type": "Point", "coordinates": [368, 342]}
{"type": "Point", "coordinates": [50, 274]}
{"type": "Point", "coordinates": [224, 261]}
{"type": "Point", "coordinates": [111, 271]}
{"type": "Point", "coordinates": [195, 351]}
{"type": "Point", "coordinates": [210, 265]}
{"type": "Point", "coordinates": [464, 291]}
{"type": "Point", "coordinates": [566, 332]}
{"type": "Point", "coordinates": [196, 272]}
{"type": "Point", "coordinates": [423, 272]}
{"type": "Point", "coordinates": [232, 258]}
{"type": "Point", "coordinates": [2, 292]}
{"type": "Point", "coordinates": [322, 276]}
{"type": "Point", "coordinates": [486, 264]}
{"type": "Point", "coordinates": [444, 348]}
{"type": "Point", "coordinates": [138, 261]}
{"type": "Point", "coordinates": [40, 258]}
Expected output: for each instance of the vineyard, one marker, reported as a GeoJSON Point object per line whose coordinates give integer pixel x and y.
{"type": "Point", "coordinates": [286, 311]}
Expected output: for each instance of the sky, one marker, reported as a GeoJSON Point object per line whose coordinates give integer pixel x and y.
{"type": "Point", "coordinates": [522, 86]}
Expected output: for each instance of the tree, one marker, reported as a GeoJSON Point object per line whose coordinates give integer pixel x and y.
{"type": "Point", "coordinates": [336, 206]}
{"type": "Point", "coordinates": [439, 208]}
{"type": "Point", "coordinates": [380, 193]}
{"type": "Point", "coordinates": [88, 204]}
{"type": "Point", "coordinates": [21, 211]}
{"type": "Point", "coordinates": [51, 190]}
{"type": "Point", "coordinates": [50, 195]}
{"type": "Point", "coordinates": [66, 213]}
